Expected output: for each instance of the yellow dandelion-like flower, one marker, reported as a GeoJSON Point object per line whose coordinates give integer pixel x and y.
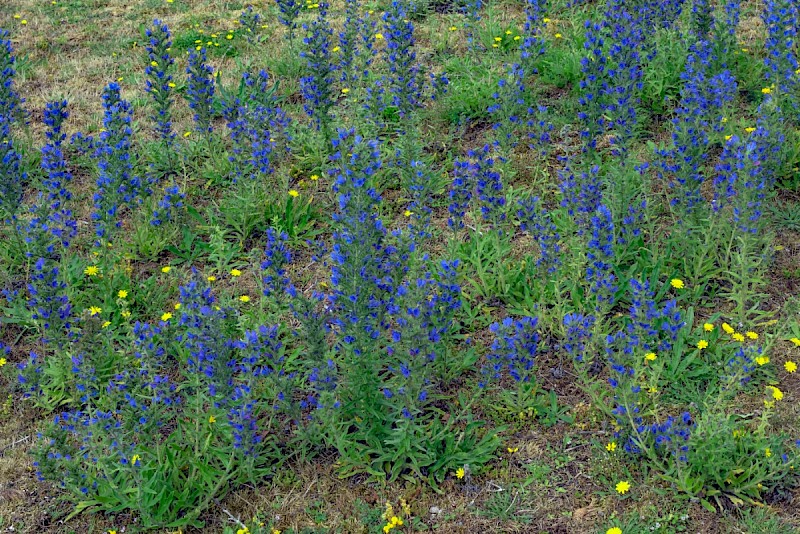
{"type": "Point", "coordinates": [751, 335]}
{"type": "Point", "coordinates": [177, 306]}
{"type": "Point", "coordinates": [790, 366]}
{"type": "Point", "coordinates": [460, 473]}
{"type": "Point", "coordinates": [212, 419]}
{"type": "Point", "coordinates": [106, 324]}
{"type": "Point", "coordinates": [614, 530]}
{"type": "Point", "coordinates": [453, 28]}
{"type": "Point", "coordinates": [94, 310]}
{"type": "Point", "coordinates": [314, 178]}
{"type": "Point", "coordinates": [125, 314]}
{"type": "Point", "coordinates": [244, 298]}
{"type": "Point", "coordinates": [3, 361]}
{"type": "Point", "coordinates": [702, 344]}
{"type": "Point", "coordinates": [728, 137]}
{"type": "Point", "coordinates": [708, 327]}
{"type": "Point", "coordinates": [408, 213]}
{"type": "Point", "coordinates": [611, 446]}
{"type": "Point", "coordinates": [736, 336]}
{"type": "Point", "coordinates": [92, 270]}
{"type": "Point", "coordinates": [211, 278]}
{"type": "Point", "coordinates": [767, 452]}
{"type": "Point", "coordinates": [166, 269]}
{"type": "Point", "coordinates": [378, 36]}
{"type": "Point", "coordinates": [677, 283]}
{"type": "Point", "coordinates": [766, 90]}
{"type": "Point", "coordinates": [777, 394]}
{"type": "Point", "coordinates": [345, 90]}
{"type": "Point", "coordinates": [796, 341]}
{"type": "Point", "coordinates": [23, 22]}
{"type": "Point", "coordinates": [166, 316]}
{"type": "Point", "coordinates": [187, 134]}
{"type": "Point", "coordinates": [512, 450]}
{"type": "Point", "coordinates": [229, 37]}
{"type": "Point", "coordinates": [558, 36]}
{"type": "Point", "coordinates": [728, 328]}
{"type": "Point", "coordinates": [293, 193]}
{"type": "Point", "coordinates": [236, 272]}
{"type": "Point", "coordinates": [650, 356]}
{"type": "Point", "coordinates": [623, 487]}
{"type": "Point", "coordinates": [122, 294]}
{"type": "Point", "coordinates": [750, 130]}
{"type": "Point", "coordinates": [762, 360]}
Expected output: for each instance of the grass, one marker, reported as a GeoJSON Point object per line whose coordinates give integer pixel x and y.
{"type": "Point", "coordinates": [559, 479]}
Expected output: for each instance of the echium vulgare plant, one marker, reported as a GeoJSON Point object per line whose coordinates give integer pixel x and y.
{"type": "Point", "coordinates": [289, 12]}
{"type": "Point", "coordinates": [704, 97]}
{"type": "Point", "coordinates": [10, 102]}
{"type": "Point", "coordinates": [258, 127]}
{"type": "Point", "coordinates": [317, 85]}
{"type": "Point", "coordinates": [159, 83]}
{"type": "Point", "coordinates": [782, 19]}
{"type": "Point", "coordinates": [117, 185]}
{"type": "Point", "coordinates": [12, 175]}
{"type": "Point", "coordinates": [724, 35]}
{"type": "Point", "coordinates": [538, 222]}
{"type": "Point", "coordinates": [701, 19]}
{"type": "Point", "coordinates": [532, 46]}
{"type": "Point", "coordinates": [393, 323]}
{"type": "Point", "coordinates": [192, 413]}
{"type": "Point", "coordinates": [200, 90]}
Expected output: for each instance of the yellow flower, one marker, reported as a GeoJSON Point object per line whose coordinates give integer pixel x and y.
{"type": "Point", "coordinates": [229, 37]}
{"type": "Point", "coordinates": [236, 272]}
{"type": "Point", "coordinates": [751, 335]}
{"type": "Point", "coordinates": [508, 32]}
{"type": "Point", "coordinates": [314, 178]}
{"type": "Point", "coordinates": [125, 314]}
{"type": "Point", "coordinates": [177, 306]}
{"type": "Point", "coordinates": [777, 394]}
{"type": "Point", "coordinates": [677, 283]}
{"type": "Point", "coordinates": [171, 84]}
{"type": "Point", "coordinates": [517, 37]}
{"type": "Point", "coordinates": [611, 446]}
{"type": "Point", "coordinates": [728, 328]}
{"type": "Point", "coordinates": [512, 450]}
{"type": "Point", "coordinates": [460, 473]}
{"type": "Point", "coordinates": [650, 356]}
{"type": "Point", "coordinates": [702, 344]}
{"type": "Point", "coordinates": [17, 16]}
{"type": "Point", "coordinates": [166, 316]}
{"type": "Point", "coordinates": [212, 419]}
{"type": "Point", "coordinates": [378, 36]}
{"type": "Point", "coordinates": [166, 269]}
{"type": "Point", "coordinates": [345, 90]}
{"type": "Point", "coordinates": [187, 134]}
{"type": "Point", "coordinates": [276, 531]}
{"type": "Point", "coordinates": [623, 487]}
{"type": "Point", "coordinates": [154, 63]}
{"type": "Point", "coordinates": [790, 367]}
{"type": "Point", "coordinates": [244, 298]}
{"type": "Point", "coordinates": [244, 530]}
{"type": "Point", "coordinates": [3, 361]}
{"type": "Point", "coordinates": [106, 324]}
{"type": "Point", "coordinates": [122, 294]}
{"type": "Point", "coordinates": [92, 270]}
{"type": "Point", "coordinates": [738, 433]}
{"type": "Point", "coordinates": [135, 458]}
{"type": "Point", "coordinates": [23, 22]}
{"type": "Point", "coordinates": [94, 310]}
{"type": "Point", "coordinates": [335, 49]}
{"type": "Point", "coordinates": [498, 39]}
{"type": "Point", "coordinates": [766, 90]}
{"type": "Point", "coordinates": [614, 530]}
{"type": "Point", "coordinates": [546, 20]}
{"type": "Point", "coordinates": [453, 28]}
{"type": "Point", "coordinates": [558, 36]}
{"type": "Point", "coordinates": [762, 360]}
{"type": "Point", "coordinates": [750, 130]}
{"type": "Point", "coordinates": [728, 137]}
{"type": "Point", "coordinates": [767, 452]}
{"type": "Point", "coordinates": [408, 213]}
{"type": "Point", "coordinates": [708, 327]}
{"type": "Point", "coordinates": [796, 341]}
{"type": "Point", "coordinates": [293, 193]}
{"type": "Point", "coordinates": [112, 532]}
{"type": "Point", "coordinates": [738, 337]}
